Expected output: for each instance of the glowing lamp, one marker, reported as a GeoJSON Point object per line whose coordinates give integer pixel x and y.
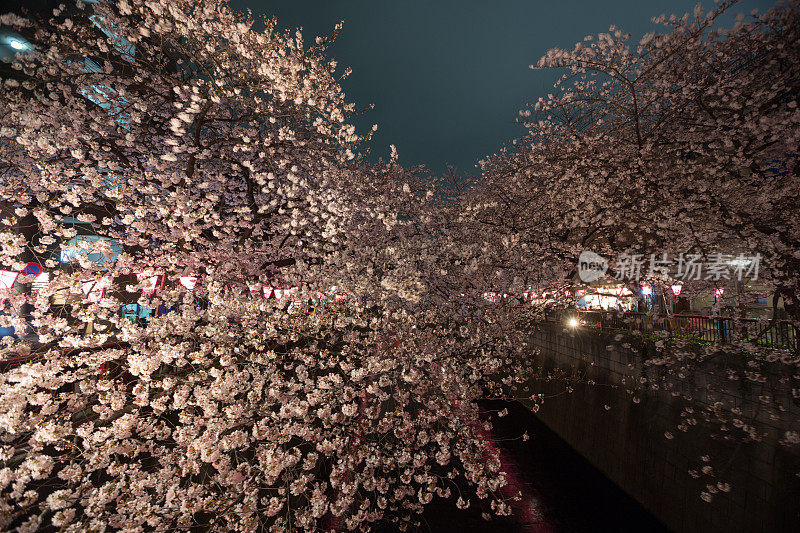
{"type": "Point", "coordinates": [17, 44]}
{"type": "Point", "coordinates": [718, 292]}
{"type": "Point", "coordinates": [573, 322]}
{"type": "Point", "coordinates": [647, 290]}
{"type": "Point", "coordinates": [676, 289]}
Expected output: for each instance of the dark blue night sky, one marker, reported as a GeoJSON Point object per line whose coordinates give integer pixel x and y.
{"type": "Point", "coordinates": [447, 77]}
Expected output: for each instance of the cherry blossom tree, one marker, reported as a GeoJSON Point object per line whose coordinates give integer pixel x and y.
{"type": "Point", "coordinates": [686, 142]}
{"type": "Point", "coordinates": [683, 143]}
{"type": "Point", "coordinates": [189, 143]}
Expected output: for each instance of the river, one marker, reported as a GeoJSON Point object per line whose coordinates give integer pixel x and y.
{"type": "Point", "coordinates": [562, 492]}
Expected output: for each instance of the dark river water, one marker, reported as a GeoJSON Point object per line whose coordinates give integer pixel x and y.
{"type": "Point", "coordinates": [561, 490]}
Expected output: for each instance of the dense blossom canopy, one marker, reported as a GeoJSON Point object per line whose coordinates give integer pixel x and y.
{"type": "Point", "coordinates": [179, 157]}
{"type": "Point", "coordinates": [686, 142]}
{"type": "Point", "coordinates": [190, 144]}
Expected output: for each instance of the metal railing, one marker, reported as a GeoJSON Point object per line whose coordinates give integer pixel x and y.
{"type": "Point", "coordinates": [774, 333]}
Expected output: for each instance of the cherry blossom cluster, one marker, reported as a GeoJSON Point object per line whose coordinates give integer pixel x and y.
{"type": "Point", "coordinates": [168, 141]}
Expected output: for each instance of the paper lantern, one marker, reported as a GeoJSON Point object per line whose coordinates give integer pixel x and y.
{"type": "Point", "coordinates": [189, 282]}
{"type": "Point", "coordinates": [7, 278]}
{"type": "Point", "coordinates": [93, 290]}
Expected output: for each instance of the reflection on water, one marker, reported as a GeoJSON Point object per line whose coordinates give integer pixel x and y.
{"type": "Point", "coordinates": [561, 491]}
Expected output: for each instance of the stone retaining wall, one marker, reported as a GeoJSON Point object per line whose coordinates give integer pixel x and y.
{"type": "Point", "coordinates": [627, 442]}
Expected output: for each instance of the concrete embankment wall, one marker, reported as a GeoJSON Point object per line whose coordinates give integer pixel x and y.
{"type": "Point", "coordinates": [627, 442]}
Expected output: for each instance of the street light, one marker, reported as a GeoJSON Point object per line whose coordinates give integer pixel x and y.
{"type": "Point", "coordinates": [573, 322]}
{"type": "Point", "coordinates": [17, 44]}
